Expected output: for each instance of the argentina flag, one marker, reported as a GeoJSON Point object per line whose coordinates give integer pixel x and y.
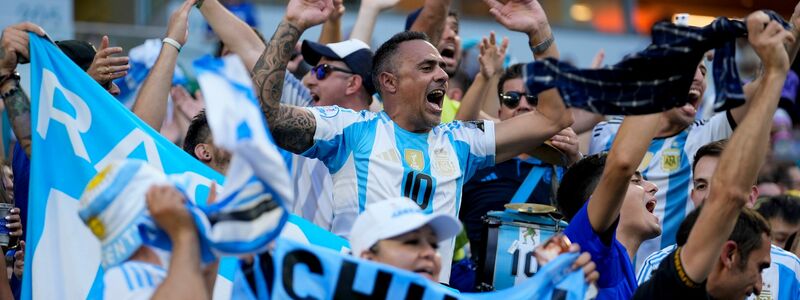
{"type": "Point", "coordinates": [78, 129]}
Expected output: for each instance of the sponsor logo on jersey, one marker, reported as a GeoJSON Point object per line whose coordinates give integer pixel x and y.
{"type": "Point", "coordinates": [442, 162]}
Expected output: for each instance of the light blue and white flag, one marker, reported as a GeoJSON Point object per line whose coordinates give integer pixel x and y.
{"type": "Point", "coordinates": [311, 272]}
{"type": "Point", "coordinates": [77, 129]}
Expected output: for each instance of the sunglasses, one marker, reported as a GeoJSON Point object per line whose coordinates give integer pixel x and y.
{"type": "Point", "coordinates": [511, 99]}
{"type": "Point", "coordinates": [322, 71]}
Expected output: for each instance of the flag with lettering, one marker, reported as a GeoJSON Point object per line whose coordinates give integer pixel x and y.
{"type": "Point", "coordinates": [312, 272]}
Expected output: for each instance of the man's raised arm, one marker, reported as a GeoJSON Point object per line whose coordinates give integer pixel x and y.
{"type": "Point", "coordinates": [293, 128]}
{"type": "Point", "coordinates": [527, 131]}
{"type": "Point", "coordinates": [432, 18]}
{"type": "Point", "coordinates": [744, 154]}
{"type": "Point", "coordinates": [234, 33]}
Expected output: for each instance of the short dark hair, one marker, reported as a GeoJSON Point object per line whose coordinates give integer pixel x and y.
{"type": "Point", "coordinates": [513, 72]}
{"type": "Point", "coordinates": [384, 57]}
{"type": "Point", "coordinates": [579, 183]}
{"type": "Point", "coordinates": [198, 133]}
{"type": "Point", "coordinates": [713, 149]}
{"type": "Point", "coordinates": [785, 207]}
{"type": "Point", "coordinates": [747, 232]}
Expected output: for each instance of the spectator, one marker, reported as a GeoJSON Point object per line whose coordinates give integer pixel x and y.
{"type": "Point", "coordinates": [707, 248]}
{"type": "Point", "coordinates": [403, 138]}
{"type": "Point", "coordinates": [784, 268]}
{"type": "Point", "coordinates": [398, 233]}
{"type": "Point", "coordinates": [783, 215]}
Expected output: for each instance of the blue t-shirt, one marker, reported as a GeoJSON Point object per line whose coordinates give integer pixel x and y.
{"type": "Point", "coordinates": [617, 277]}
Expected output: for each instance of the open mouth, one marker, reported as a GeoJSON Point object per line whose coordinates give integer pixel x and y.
{"type": "Point", "coordinates": [448, 52]}
{"type": "Point", "coordinates": [314, 97]}
{"type": "Point", "coordinates": [427, 272]}
{"type": "Point", "coordinates": [651, 205]}
{"type": "Point", "coordinates": [436, 98]}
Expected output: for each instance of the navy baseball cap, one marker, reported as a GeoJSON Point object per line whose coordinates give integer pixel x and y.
{"type": "Point", "coordinates": [354, 53]}
{"type": "Point", "coordinates": [80, 52]}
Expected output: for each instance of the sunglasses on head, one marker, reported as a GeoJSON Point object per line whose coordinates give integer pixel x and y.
{"type": "Point", "coordinates": [511, 99]}
{"type": "Point", "coordinates": [322, 71]}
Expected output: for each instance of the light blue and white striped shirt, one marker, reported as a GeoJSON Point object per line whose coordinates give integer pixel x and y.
{"type": "Point", "coordinates": [132, 280]}
{"type": "Point", "coordinates": [781, 281]}
{"type": "Point", "coordinates": [371, 158]}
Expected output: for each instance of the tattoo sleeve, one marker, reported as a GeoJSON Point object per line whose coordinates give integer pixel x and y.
{"type": "Point", "coordinates": [19, 114]}
{"type": "Point", "coordinates": [293, 128]}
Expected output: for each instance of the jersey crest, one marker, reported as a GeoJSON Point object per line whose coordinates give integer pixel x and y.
{"type": "Point", "coordinates": [670, 159]}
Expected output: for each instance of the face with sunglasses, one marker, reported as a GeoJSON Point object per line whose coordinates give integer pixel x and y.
{"type": "Point", "coordinates": [514, 100]}
{"type": "Point", "coordinates": [330, 83]}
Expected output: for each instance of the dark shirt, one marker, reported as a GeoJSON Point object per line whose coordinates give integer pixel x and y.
{"type": "Point", "coordinates": [669, 281]}
{"type": "Point", "coordinates": [491, 188]}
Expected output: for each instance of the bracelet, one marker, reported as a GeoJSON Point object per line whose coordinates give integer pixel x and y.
{"type": "Point", "coordinates": [8, 76]}
{"type": "Point", "coordinates": [198, 4]}
{"type": "Point", "coordinates": [12, 91]}
{"type": "Point", "coordinates": [543, 46]}
{"type": "Point", "coordinates": [172, 42]}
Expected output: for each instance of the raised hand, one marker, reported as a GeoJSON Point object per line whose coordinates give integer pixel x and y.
{"type": "Point", "coordinates": [14, 45]}
{"type": "Point", "coordinates": [525, 16]}
{"type": "Point", "coordinates": [104, 67]}
{"type": "Point", "coordinates": [567, 141]}
{"type": "Point", "coordinates": [305, 14]}
{"type": "Point", "coordinates": [492, 55]}
{"type": "Point", "coordinates": [166, 207]}
{"type": "Point", "coordinates": [379, 4]}
{"type": "Point", "coordinates": [178, 27]}
{"type": "Point", "coordinates": [768, 41]}
{"type": "Point", "coordinates": [338, 10]}
{"type": "Point", "coordinates": [186, 105]}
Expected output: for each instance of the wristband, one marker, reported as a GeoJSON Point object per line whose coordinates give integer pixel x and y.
{"type": "Point", "coordinates": [12, 91]}
{"type": "Point", "coordinates": [198, 4]}
{"type": "Point", "coordinates": [12, 75]}
{"type": "Point", "coordinates": [543, 46]}
{"type": "Point", "coordinates": [172, 42]}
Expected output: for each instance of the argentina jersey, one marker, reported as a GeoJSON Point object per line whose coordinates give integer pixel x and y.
{"type": "Point", "coordinates": [371, 159]}
{"type": "Point", "coordinates": [132, 280]}
{"type": "Point", "coordinates": [668, 164]}
{"type": "Point", "coordinates": [781, 281]}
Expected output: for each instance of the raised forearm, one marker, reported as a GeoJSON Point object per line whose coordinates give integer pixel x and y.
{"type": "Point", "coordinates": [270, 69]}
{"type": "Point", "coordinates": [536, 38]}
{"type": "Point", "coordinates": [630, 146]}
{"type": "Point", "coordinates": [331, 32]}
{"type": "Point", "coordinates": [491, 102]}
{"type": "Point", "coordinates": [432, 19]}
{"type": "Point", "coordinates": [365, 23]}
{"type": "Point", "coordinates": [235, 33]}
{"type": "Point", "coordinates": [472, 101]}
{"type": "Point", "coordinates": [293, 128]}
{"type": "Point", "coordinates": [184, 277]}
{"type": "Point", "coordinates": [735, 174]}
{"type": "Point", "coordinates": [151, 102]}
{"type": "Point", "coordinates": [18, 106]}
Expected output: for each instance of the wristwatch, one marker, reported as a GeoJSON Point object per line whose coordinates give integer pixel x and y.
{"type": "Point", "coordinates": [15, 76]}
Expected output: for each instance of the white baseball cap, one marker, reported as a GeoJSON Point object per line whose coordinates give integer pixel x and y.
{"type": "Point", "coordinates": [395, 216]}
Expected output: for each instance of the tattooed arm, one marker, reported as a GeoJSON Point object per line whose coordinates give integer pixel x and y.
{"type": "Point", "coordinates": [293, 128]}
{"type": "Point", "coordinates": [14, 46]}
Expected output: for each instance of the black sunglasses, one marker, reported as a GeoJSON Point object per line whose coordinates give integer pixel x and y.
{"type": "Point", "coordinates": [511, 99]}
{"type": "Point", "coordinates": [322, 71]}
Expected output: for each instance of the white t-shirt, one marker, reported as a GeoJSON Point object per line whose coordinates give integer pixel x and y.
{"type": "Point", "coordinates": [371, 159]}
{"type": "Point", "coordinates": [669, 166]}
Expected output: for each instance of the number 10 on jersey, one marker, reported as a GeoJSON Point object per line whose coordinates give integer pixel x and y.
{"type": "Point", "coordinates": [419, 187]}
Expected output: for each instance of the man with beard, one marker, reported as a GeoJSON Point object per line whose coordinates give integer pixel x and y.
{"type": "Point", "coordinates": [365, 152]}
